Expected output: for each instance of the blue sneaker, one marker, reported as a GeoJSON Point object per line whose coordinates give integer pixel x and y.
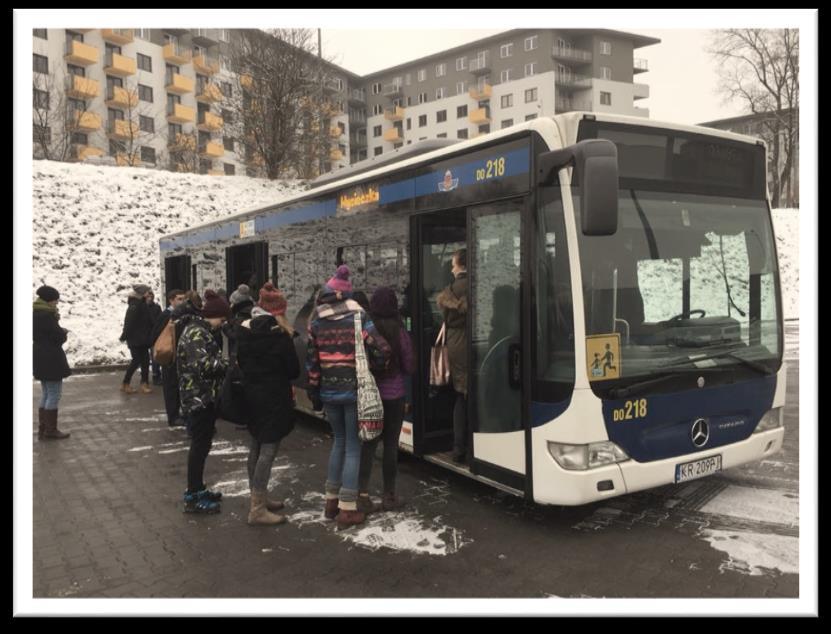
{"type": "Point", "coordinates": [213, 496]}
{"type": "Point", "coordinates": [200, 503]}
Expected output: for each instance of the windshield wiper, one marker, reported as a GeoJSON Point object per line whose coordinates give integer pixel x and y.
{"type": "Point", "coordinates": [755, 365]}
{"type": "Point", "coordinates": [622, 392]}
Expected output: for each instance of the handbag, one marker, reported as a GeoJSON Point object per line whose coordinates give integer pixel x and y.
{"type": "Point", "coordinates": [439, 360]}
{"type": "Point", "coordinates": [232, 404]}
{"type": "Point", "coordinates": [370, 406]}
{"type": "Point", "coordinates": [164, 348]}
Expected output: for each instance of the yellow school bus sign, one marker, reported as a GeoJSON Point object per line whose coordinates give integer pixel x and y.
{"type": "Point", "coordinates": [603, 357]}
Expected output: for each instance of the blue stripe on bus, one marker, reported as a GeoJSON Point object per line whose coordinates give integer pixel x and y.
{"type": "Point", "coordinates": [516, 162]}
{"type": "Point", "coordinates": [543, 413]}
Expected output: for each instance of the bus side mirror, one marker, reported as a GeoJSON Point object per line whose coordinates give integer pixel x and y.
{"type": "Point", "coordinates": [595, 169]}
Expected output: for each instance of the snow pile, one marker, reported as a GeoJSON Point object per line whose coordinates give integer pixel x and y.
{"type": "Point", "coordinates": [96, 233]}
{"type": "Point", "coordinates": [786, 231]}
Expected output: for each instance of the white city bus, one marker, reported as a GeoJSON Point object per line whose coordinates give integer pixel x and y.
{"type": "Point", "coordinates": [625, 322]}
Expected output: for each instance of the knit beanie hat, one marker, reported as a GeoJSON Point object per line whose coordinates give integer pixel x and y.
{"type": "Point", "coordinates": [340, 280]}
{"type": "Point", "coordinates": [214, 305]}
{"type": "Point", "coordinates": [141, 289]}
{"type": "Point", "coordinates": [47, 293]}
{"type": "Point", "coordinates": [243, 293]}
{"type": "Point", "coordinates": [272, 300]}
{"type": "Point", "coordinates": [384, 303]}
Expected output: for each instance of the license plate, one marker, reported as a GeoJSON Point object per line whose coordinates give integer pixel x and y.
{"type": "Point", "coordinates": [697, 469]}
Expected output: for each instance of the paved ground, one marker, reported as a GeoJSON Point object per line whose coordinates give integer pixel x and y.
{"type": "Point", "coordinates": [108, 523]}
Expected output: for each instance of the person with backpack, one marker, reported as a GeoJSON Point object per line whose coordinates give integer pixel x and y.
{"type": "Point", "coordinates": [170, 379]}
{"type": "Point", "coordinates": [138, 324]}
{"type": "Point", "coordinates": [49, 365]}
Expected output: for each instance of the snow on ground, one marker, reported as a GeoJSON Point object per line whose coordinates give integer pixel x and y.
{"type": "Point", "coordinates": [96, 233]}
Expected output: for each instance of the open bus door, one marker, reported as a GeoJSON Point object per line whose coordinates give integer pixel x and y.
{"type": "Point", "coordinates": [246, 264]}
{"type": "Point", "coordinates": [177, 273]}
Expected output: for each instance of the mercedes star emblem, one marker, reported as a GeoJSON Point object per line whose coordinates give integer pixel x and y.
{"type": "Point", "coordinates": [700, 432]}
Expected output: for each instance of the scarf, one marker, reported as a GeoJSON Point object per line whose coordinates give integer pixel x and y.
{"type": "Point", "coordinates": [41, 306]}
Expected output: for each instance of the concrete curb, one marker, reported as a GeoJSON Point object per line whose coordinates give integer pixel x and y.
{"type": "Point", "coordinates": [96, 369]}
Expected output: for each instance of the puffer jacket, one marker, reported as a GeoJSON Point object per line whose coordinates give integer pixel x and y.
{"type": "Point", "coordinates": [330, 356]}
{"type": "Point", "coordinates": [138, 323]}
{"type": "Point", "coordinates": [49, 361]}
{"type": "Point", "coordinates": [199, 364]}
{"type": "Point", "coordinates": [453, 303]}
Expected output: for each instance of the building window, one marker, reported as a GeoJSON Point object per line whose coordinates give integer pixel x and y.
{"type": "Point", "coordinates": [530, 117]}
{"type": "Point", "coordinates": [531, 43]}
{"type": "Point", "coordinates": [506, 50]}
{"type": "Point", "coordinates": [484, 129]}
{"type": "Point", "coordinates": [41, 33]}
{"type": "Point", "coordinates": [531, 69]}
{"type": "Point", "coordinates": [605, 98]}
{"type": "Point", "coordinates": [422, 120]}
{"type": "Point", "coordinates": [377, 131]}
{"type": "Point", "coordinates": [461, 111]}
{"type": "Point", "coordinates": [409, 101]}
{"type": "Point", "coordinates": [461, 63]}
{"type": "Point", "coordinates": [422, 97]}
{"type": "Point", "coordinates": [225, 36]}
{"type": "Point", "coordinates": [530, 95]}
{"type": "Point", "coordinates": [440, 94]}
{"type": "Point", "coordinates": [605, 48]}
{"type": "Point", "coordinates": [41, 134]}
{"type": "Point", "coordinates": [378, 151]}
{"type": "Point", "coordinates": [408, 79]}
{"type": "Point", "coordinates": [142, 34]}
{"type": "Point", "coordinates": [443, 135]}
{"type": "Point", "coordinates": [230, 170]}
{"type": "Point", "coordinates": [605, 72]}
{"type": "Point", "coordinates": [146, 124]}
{"type": "Point", "coordinates": [41, 99]}
{"type": "Point", "coordinates": [173, 131]}
{"type": "Point", "coordinates": [145, 93]}
{"type": "Point", "coordinates": [79, 138]}
{"type": "Point", "coordinates": [409, 123]}
{"type": "Point", "coordinates": [441, 116]}
{"type": "Point", "coordinates": [441, 70]}
{"type": "Point", "coordinates": [41, 64]}
{"type": "Point", "coordinates": [78, 71]}
{"type": "Point", "coordinates": [507, 123]}
{"type": "Point", "coordinates": [377, 109]}
{"type": "Point", "coordinates": [144, 62]}
{"type": "Point", "coordinates": [205, 166]}
{"type": "Point", "coordinates": [228, 143]}
{"type": "Point", "coordinates": [116, 147]}
{"type": "Point", "coordinates": [461, 134]}
{"type": "Point", "coordinates": [505, 76]}
{"type": "Point", "coordinates": [422, 74]}
{"type": "Point", "coordinates": [227, 116]}
{"type": "Point", "coordinates": [227, 89]}
{"type": "Point", "coordinates": [376, 89]}
{"type": "Point", "coordinates": [460, 88]}
{"type": "Point", "coordinates": [507, 101]}
{"type": "Point", "coordinates": [148, 155]}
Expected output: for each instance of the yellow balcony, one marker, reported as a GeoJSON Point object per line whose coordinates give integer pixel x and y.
{"type": "Point", "coordinates": [212, 150]}
{"type": "Point", "coordinates": [392, 135]}
{"type": "Point", "coordinates": [210, 93]}
{"type": "Point", "coordinates": [256, 160]}
{"type": "Point", "coordinates": [479, 116]}
{"type": "Point", "coordinates": [205, 65]}
{"type": "Point", "coordinates": [174, 54]}
{"type": "Point", "coordinates": [210, 122]}
{"type": "Point", "coordinates": [182, 143]}
{"type": "Point", "coordinates": [83, 152]}
{"type": "Point", "coordinates": [86, 121]}
{"type": "Point", "coordinates": [180, 114]}
{"type": "Point", "coordinates": [396, 114]}
{"type": "Point", "coordinates": [119, 65]}
{"type": "Point", "coordinates": [178, 84]}
{"type": "Point", "coordinates": [122, 129]}
{"type": "Point", "coordinates": [216, 173]}
{"type": "Point", "coordinates": [81, 54]}
{"type": "Point", "coordinates": [335, 133]}
{"type": "Point", "coordinates": [335, 155]}
{"type": "Point", "coordinates": [81, 87]}
{"type": "Point", "coordinates": [121, 98]}
{"type": "Point", "coordinates": [481, 95]}
{"type": "Point", "coordinates": [246, 81]}
{"type": "Point", "coordinates": [118, 36]}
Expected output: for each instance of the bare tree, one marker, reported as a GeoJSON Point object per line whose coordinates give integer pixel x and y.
{"type": "Point", "coordinates": [280, 111]}
{"type": "Point", "coordinates": [134, 133]}
{"type": "Point", "coordinates": [760, 68]}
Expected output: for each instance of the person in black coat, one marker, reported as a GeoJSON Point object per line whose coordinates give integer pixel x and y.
{"type": "Point", "coordinates": [49, 366]}
{"type": "Point", "coordinates": [138, 324]}
{"type": "Point", "coordinates": [170, 378]}
{"type": "Point", "coordinates": [155, 313]}
{"type": "Point", "coordinates": [267, 358]}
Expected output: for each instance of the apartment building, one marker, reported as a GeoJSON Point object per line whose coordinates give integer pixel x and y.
{"type": "Point", "coordinates": [165, 82]}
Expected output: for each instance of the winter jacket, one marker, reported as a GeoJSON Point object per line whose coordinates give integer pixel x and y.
{"type": "Point", "coordinates": [138, 323]}
{"type": "Point", "coordinates": [330, 356]}
{"type": "Point", "coordinates": [391, 383]}
{"type": "Point", "coordinates": [453, 302]}
{"type": "Point", "coordinates": [199, 364]}
{"type": "Point", "coordinates": [49, 361]}
{"type": "Point", "coordinates": [155, 312]}
{"type": "Point", "coordinates": [266, 356]}
{"type": "Point", "coordinates": [241, 312]}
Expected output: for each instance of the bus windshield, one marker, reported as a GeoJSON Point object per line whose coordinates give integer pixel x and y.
{"type": "Point", "coordinates": [687, 283]}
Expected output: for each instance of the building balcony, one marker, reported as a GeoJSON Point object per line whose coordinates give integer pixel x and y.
{"type": "Point", "coordinates": [335, 155]}
{"type": "Point", "coordinates": [121, 129]}
{"type": "Point", "coordinates": [479, 66]}
{"type": "Point", "coordinates": [84, 121]}
{"type": "Point", "coordinates": [332, 85]}
{"type": "Point", "coordinates": [246, 81]}
{"type": "Point", "coordinates": [178, 84]}
{"type": "Point", "coordinates": [209, 93]}
{"type": "Point", "coordinates": [357, 141]}
{"type": "Point", "coordinates": [571, 80]}
{"type": "Point", "coordinates": [480, 116]}
{"type": "Point", "coordinates": [121, 97]}
{"type": "Point", "coordinates": [393, 91]}
{"type": "Point", "coordinates": [396, 114]}
{"type": "Point", "coordinates": [641, 91]}
{"type": "Point", "coordinates": [177, 113]}
{"type": "Point", "coordinates": [639, 65]}
{"type": "Point", "coordinates": [358, 118]}
{"type": "Point", "coordinates": [335, 133]}
{"type": "Point", "coordinates": [80, 54]}
{"type": "Point", "coordinates": [209, 122]}
{"type": "Point", "coordinates": [566, 104]}
{"type": "Point", "coordinates": [117, 36]}
{"type": "Point", "coordinates": [205, 65]}
{"type": "Point", "coordinates": [205, 37]}
{"type": "Point", "coordinates": [81, 87]}
{"type": "Point", "coordinates": [357, 98]}
{"type": "Point", "coordinates": [571, 54]}
{"type": "Point", "coordinates": [119, 65]}
{"type": "Point", "coordinates": [182, 143]}
{"type": "Point", "coordinates": [393, 135]}
{"type": "Point", "coordinates": [481, 95]}
{"type": "Point", "coordinates": [211, 150]}
{"type": "Point", "coordinates": [216, 173]}
{"type": "Point", "coordinates": [78, 152]}
{"type": "Point", "coordinates": [175, 54]}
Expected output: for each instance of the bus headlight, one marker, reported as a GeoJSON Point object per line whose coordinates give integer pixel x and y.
{"type": "Point", "coordinates": [771, 420]}
{"type": "Point", "coordinates": [583, 457]}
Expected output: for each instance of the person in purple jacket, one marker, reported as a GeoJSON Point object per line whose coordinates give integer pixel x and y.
{"type": "Point", "coordinates": [383, 309]}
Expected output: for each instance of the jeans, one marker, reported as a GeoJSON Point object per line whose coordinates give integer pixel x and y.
{"type": "Point", "coordinates": [203, 425]}
{"type": "Point", "coordinates": [460, 424]}
{"type": "Point", "coordinates": [140, 358]}
{"type": "Point", "coordinates": [260, 459]}
{"type": "Point", "coordinates": [50, 394]}
{"type": "Point", "coordinates": [345, 459]}
{"type": "Point", "coordinates": [393, 418]}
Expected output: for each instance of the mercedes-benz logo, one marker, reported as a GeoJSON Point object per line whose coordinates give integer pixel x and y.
{"type": "Point", "coordinates": [701, 381]}
{"type": "Point", "coordinates": [700, 432]}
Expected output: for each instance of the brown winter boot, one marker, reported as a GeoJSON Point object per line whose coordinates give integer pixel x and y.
{"type": "Point", "coordinates": [345, 519]}
{"type": "Point", "coordinates": [331, 509]}
{"type": "Point", "coordinates": [259, 514]}
{"type": "Point", "coordinates": [273, 505]}
{"type": "Point", "coordinates": [41, 425]}
{"type": "Point", "coordinates": [366, 505]}
{"type": "Point", "coordinates": [392, 502]}
{"type": "Point", "coordinates": [125, 387]}
{"type": "Point", "coordinates": [144, 388]}
{"type": "Point", "coordinates": [50, 419]}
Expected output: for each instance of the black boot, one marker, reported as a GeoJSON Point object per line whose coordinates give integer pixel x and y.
{"type": "Point", "coordinates": [51, 425]}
